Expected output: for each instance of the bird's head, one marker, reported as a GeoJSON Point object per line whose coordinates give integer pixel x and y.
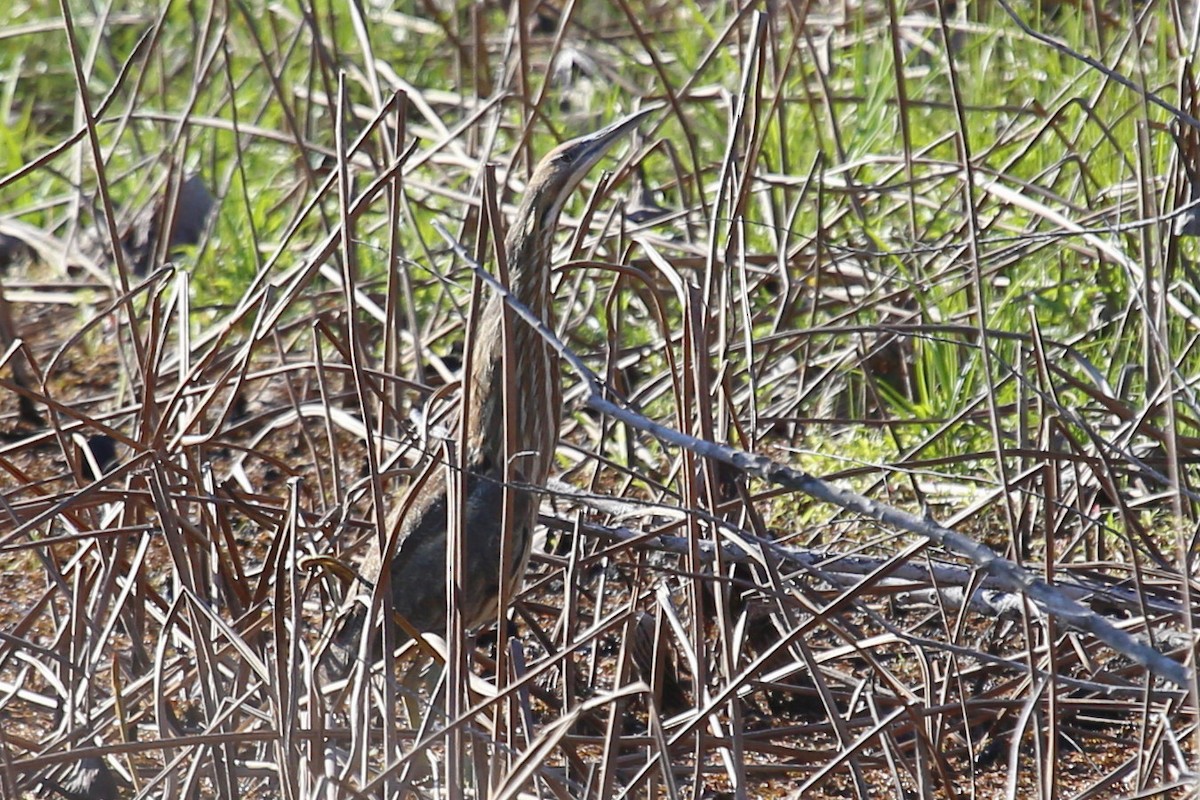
{"type": "Point", "coordinates": [560, 171]}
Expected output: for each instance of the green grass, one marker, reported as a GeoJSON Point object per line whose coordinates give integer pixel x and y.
{"type": "Point", "coordinates": [1035, 116]}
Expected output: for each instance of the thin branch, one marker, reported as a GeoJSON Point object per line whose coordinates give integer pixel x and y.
{"type": "Point", "coordinates": [1008, 574]}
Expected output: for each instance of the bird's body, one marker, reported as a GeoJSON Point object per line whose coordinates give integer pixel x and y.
{"type": "Point", "coordinates": [418, 569]}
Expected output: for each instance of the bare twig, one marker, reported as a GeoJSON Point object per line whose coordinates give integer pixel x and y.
{"type": "Point", "coordinates": [1008, 574]}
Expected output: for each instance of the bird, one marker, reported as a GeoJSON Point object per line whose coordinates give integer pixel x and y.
{"type": "Point", "coordinates": [88, 779]}
{"type": "Point", "coordinates": [418, 568]}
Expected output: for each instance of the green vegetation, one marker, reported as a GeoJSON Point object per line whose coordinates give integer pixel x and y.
{"type": "Point", "coordinates": [935, 259]}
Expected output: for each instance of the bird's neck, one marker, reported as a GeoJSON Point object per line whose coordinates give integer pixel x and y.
{"type": "Point", "coordinates": [528, 262]}
{"type": "Point", "coordinates": [535, 390]}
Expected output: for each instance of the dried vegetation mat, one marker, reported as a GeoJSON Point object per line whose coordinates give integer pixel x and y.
{"type": "Point", "coordinates": [938, 255]}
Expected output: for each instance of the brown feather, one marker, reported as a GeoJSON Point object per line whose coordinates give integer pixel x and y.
{"type": "Point", "coordinates": [418, 570]}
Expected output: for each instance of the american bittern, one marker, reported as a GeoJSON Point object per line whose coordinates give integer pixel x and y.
{"type": "Point", "coordinates": [418, 569]}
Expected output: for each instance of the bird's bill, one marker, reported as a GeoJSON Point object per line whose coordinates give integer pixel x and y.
{"type": "Point", "coordinates": [586, 150]}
